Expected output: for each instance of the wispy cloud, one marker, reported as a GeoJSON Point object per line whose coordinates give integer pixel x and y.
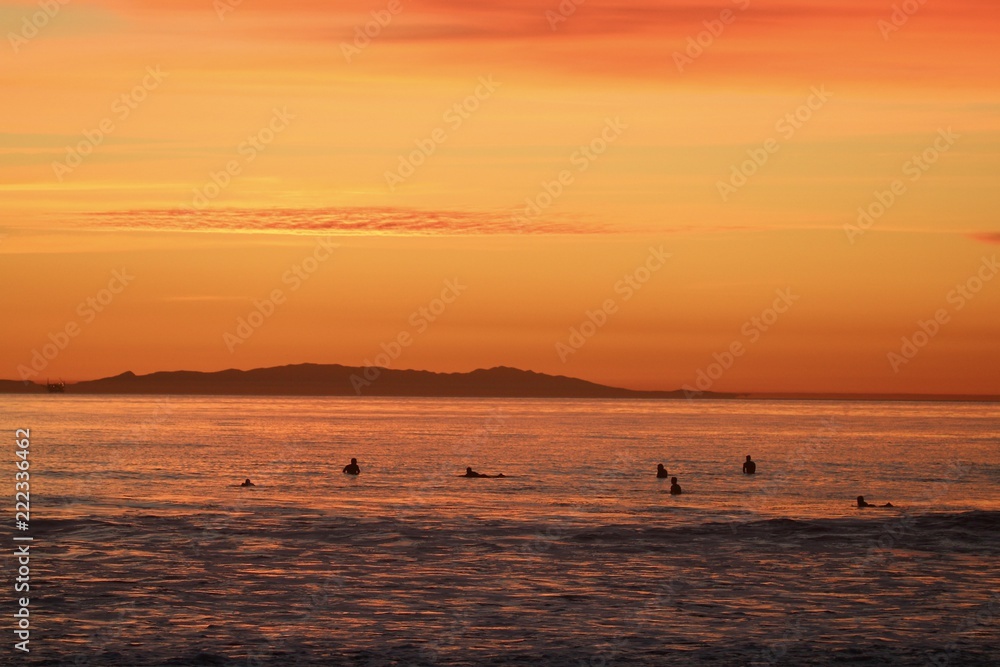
{"type": "Point", "coordinates": [387, 221]}
{"type": "Point", "coordinates": [398, 221]}
{"type": "Point", "coordinates": [986, 237]}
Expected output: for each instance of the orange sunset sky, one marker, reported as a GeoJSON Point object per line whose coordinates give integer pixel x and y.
{"type": "Point", "coordinates": [216, 154]}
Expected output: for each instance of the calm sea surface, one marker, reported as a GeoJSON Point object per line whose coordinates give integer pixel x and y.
{"type": "Point", "coordinates": [147, 551]}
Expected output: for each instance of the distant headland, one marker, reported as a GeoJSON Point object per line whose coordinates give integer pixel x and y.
{"type": "Point", "coordinates": [338, 380]}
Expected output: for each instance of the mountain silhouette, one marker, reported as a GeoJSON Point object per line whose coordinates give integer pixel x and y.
{"type": "Point", "coordinates": [337, 380]}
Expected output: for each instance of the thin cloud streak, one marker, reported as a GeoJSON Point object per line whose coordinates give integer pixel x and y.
{"type": "Point", "coordinates": [369, 221]}
{"type": "Point", "coordinates": [986, 237]}
{"type": "Point", "coordinates": [397, 221]}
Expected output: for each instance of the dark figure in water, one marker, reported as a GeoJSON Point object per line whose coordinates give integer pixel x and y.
{"type": "Point", "coordinates": [749, 467]}
{"type": "Point", "coordinates": [469, 472]}
{"type": "Point", "coordinates": [862, 503]}
{"type": "Point", "coordinates": [661, 472]}
{"type": "Point", "coordinates": [675, 488]}
{"type": "Point", "coordinates": [352, 468]}
{"type": "Point", "coordinates": [248, 483]}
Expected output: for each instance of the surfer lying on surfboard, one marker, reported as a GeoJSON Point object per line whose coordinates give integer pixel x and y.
{"type": "Point", "coordinates": [469, 472]}
{"type": "Point", "coordinates": [862, 503]}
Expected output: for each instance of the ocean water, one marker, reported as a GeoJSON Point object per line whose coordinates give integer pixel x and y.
{"type": "Point", "coordinates": [147, 552]}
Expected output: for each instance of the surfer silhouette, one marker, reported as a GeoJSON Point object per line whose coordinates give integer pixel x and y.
{"type": "Point", "coordinates": [352, 468]}
{"type": "Point", "coordinates": [661, 472]}
{"type": "Point", "coordinates": [749, 467]}
{"type": "Point", "coordinates": [248, 483]}
{"type": "Point", "coordinates": [675, 488]}
{"type": "Point", "coordinates": [862, 503]}
{"type": "Point", "coordinates": [469, 472]}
